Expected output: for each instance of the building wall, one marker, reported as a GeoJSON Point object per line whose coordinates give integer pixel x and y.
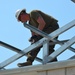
{"type": "Point", "coordinates": [56, 68]}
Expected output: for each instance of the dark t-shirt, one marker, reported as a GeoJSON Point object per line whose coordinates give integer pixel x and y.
{"type": "Point", "coordinates": [47, 18]}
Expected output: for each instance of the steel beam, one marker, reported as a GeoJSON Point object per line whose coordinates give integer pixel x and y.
{"type": "Point", "coordinates": [39, 43]}
{"type": "Point", "coordinates": [73, 1]}
{"type": "Point", "coordinates": [10, 47]}
{"type": "Point", "coordinates": [60, 50]}
{"type": "Point", "coordinates": [59, 31]}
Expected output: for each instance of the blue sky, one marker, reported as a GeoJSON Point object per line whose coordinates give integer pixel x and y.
{"type": "Point", "coordinates": [13, 32]}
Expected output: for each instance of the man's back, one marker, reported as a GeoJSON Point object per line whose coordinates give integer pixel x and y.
{"type": "Point", "coordinates": [47, 18]}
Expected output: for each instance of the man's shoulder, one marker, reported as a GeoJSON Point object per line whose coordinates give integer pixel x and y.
{"type": "Point", "coordinates": [34, 11]}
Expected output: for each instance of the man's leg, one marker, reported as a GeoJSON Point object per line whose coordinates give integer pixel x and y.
{"type": "Point", "coordinates": [31, 57]}
{"type": "Point", "coordinates": [51, 50]}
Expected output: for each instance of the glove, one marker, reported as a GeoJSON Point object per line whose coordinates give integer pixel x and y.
{"type": "Point", "coordinates": [33, 39]}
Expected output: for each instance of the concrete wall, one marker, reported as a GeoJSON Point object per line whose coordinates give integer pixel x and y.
{"type": "Point", "coordinates": [55, 68]}
{"type": "Point", "coordinates": [63, 71]}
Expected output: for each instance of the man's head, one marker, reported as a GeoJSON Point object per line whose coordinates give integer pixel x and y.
{"type": "Point", "coordinates": [21, 15]}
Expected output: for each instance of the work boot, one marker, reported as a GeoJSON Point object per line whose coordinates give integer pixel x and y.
{"type": "Point", "coordinates": [24, 64]}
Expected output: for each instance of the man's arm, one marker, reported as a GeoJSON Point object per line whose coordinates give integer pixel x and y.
{"type": "Point", "coordinates": [41, 25]}
{"type": "Point", "coordinates": [41, 22]}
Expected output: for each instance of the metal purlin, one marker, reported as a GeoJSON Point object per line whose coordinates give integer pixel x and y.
{"type": "Point", "coordinates": [65, 44]}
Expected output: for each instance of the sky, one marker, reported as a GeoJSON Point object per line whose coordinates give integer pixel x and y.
{"type": "Point", "coordinates": [14, 33]}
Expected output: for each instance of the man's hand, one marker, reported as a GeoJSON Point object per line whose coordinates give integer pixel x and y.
{"type": "Point", "coordinates": [33, 39]}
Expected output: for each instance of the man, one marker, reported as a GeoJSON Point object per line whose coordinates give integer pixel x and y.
{"type": "Point", "coordinates": [41, 21]}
